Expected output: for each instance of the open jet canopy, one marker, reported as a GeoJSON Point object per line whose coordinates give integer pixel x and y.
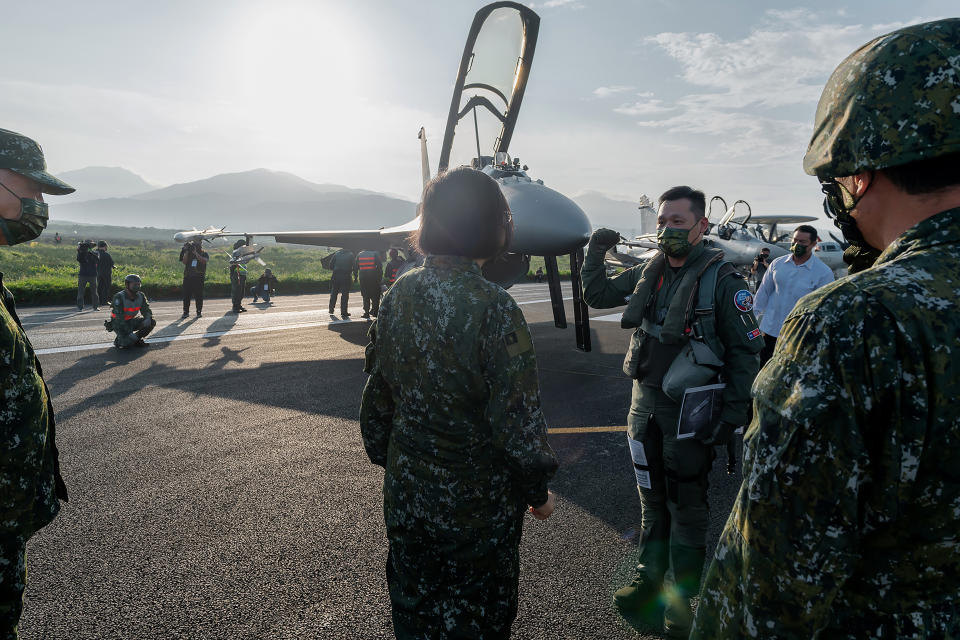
{"type": "Point", "coordinates": [490, 84]}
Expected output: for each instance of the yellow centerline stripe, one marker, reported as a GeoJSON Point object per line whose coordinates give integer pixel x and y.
{"type": "Point", "coordinates": [560, 430]}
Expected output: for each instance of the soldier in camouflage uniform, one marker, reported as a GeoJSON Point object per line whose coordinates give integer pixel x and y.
{"type": "Point", "coordinates": [127, 305]}
{"type": "Point", "coordinates": [30, 482]}
{"type": "Point", "coordinates": [685, 297]}
{"type": "Point", "coordinates": [458, 429]}
{"type": "Point", "coordinates": [846, 523]}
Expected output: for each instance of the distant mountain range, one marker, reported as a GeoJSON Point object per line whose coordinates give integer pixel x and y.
{"type": "Point", "coordinates": [265, 200]}
{"type": "Point", "coordinates": [93, 183]}
{"type": "Point", "coordinates": [260, 200]}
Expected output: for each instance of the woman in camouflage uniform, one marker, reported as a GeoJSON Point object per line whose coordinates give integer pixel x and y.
{"type": "Point", "coordinates": [452, 412]}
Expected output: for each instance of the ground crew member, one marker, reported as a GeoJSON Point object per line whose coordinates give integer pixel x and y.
{"type": "Point", "coordinates": [127, 304]}
{"type": "Point", "coordinates": [688, 306]}
{"type": "Point", "coordinates": [341, 264]}
{"type": "Point", "coordinates": [369, 266]}
{"type": "Point", "coordinates": [88, 260]}
{"type": "Point", "coordinates": [265, 287]}
{"type": "Point", "coordinates": [393, 267]}
{"type": "Point", "coordinates": [238, 283]}
{"type": "Point", "coordinates": [194, 260]}
{"type": "Point", "coordinates": [846, 522]}
{"type": "Point", "coordinates": [30, 482]}
{"type": "Point", "coordinates": [104, 271]}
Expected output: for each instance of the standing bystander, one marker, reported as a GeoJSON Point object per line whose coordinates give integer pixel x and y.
{"type": "Point", "coordinates": [788, 279]}
{"type": "Point", "coordinates": [89, 261]}
{"type": "Point", "coordinates": [104, 271]}
{"type": "Point", "coordinates": [194, 260]}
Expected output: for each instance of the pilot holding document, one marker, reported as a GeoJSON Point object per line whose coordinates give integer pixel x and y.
{"type": "Point", "coordinates": [693, 327]}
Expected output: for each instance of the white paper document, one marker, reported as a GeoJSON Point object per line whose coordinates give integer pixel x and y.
{"type": "Point", "coordinates": [639, 457]}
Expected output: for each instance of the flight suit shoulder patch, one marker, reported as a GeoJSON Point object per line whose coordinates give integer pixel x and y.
{"type": "Point", "coordinates": [516, 342]}
{"type": "Point", "coordinates": [743, 301]}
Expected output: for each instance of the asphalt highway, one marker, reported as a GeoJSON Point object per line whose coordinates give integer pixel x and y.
{"type": "Point", "coordinates": [219, 487]}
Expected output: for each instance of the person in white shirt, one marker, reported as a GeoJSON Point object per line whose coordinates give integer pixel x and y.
{"type": "Point", "coordinates": [788, 279]}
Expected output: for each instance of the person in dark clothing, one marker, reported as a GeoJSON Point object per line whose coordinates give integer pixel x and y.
{"type": "Point", "coordinates": [369, 267]}
{"type": "Point", "coordinates": [88, 260]}
{"type": "Point", "coordinates": [393, 267]}
{"type": "Point", "coordinates": [104, 271]}
{"type": "Point", "coordinates": [265, 287]}
{"type": "Point", "coordinates": [760, 265]}
{"type": "Point", "coordinates": [341, 264]}
{"type": "Point", "coordinates": [194, 260]}
{"type": "Point", "coordinates": [238, 282]}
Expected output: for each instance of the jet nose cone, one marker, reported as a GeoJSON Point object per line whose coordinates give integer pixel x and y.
{"type": "Point", "coordinates": [545, 222]}
{"type": "Point", "coordinates": [178, 237]}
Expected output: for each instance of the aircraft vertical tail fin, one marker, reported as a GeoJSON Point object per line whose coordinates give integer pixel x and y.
{"type": "Point", "coordinates": [424, 160]}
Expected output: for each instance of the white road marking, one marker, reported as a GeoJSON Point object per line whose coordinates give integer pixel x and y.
{"type": "Point", "coordinates": [613, 317]}
{"type": "Point", "coordinates": [237, 331]}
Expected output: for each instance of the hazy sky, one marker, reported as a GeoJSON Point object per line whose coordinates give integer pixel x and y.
{"type": "Point", "coordinates": [624, 98]}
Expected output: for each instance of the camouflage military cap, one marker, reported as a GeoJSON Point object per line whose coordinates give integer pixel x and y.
{"type": "Point", "coordinates": [893, 101]}
{"type": "Point", "coordinates": [21, 154]}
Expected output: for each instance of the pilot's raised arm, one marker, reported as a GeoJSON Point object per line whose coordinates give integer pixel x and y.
{"type": "Point", "coordinates": [599, 290]}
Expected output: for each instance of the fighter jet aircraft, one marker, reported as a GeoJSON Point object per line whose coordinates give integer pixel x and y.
{"type": "Point", "coordinates": [487, 95]}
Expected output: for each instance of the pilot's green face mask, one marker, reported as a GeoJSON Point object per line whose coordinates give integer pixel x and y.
{"type": "Point", "coordinates": [674, 242]}
{"type": "Point", "coordinates": [31, 223]}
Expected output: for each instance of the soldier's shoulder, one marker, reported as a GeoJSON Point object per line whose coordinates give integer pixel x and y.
{"type": "Point", "coordinates": [848, 300]}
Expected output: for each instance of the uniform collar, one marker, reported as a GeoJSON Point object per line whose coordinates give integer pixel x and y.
{"type": "Point", "coordinates": [806, 264]}
{"type": "Point", "coordinates": [942, 228]}
{"type": "Point", "coordinates": [455, 263]}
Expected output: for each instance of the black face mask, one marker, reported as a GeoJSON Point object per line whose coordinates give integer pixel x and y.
{"type": "Point", "coordinates": [836, 206]}
{"type": "Point", "coordinates": [31, 223]}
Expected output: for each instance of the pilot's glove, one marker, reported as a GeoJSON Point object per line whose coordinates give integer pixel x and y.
{"type": "Point", "coordinates": [603, 239]}
{"type": "Point", "coordinates": [720, 434]}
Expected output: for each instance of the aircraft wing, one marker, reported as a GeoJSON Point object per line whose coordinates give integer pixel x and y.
{"type": "Point", "coordinates": [355, 240]}
{"type": "Point", "coordinates": [781, 218]}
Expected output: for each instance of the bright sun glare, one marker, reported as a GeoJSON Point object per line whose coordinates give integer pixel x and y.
{"type": "Point", "coordinates": [297, 64]}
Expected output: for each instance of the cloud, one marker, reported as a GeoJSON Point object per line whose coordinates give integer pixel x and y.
{"type": "Point", "coordinates": [746, 90]}
{"type": "Point", "coordinates": [553, 4]}
{"type": "Point", "coordinates": [649, 107]}
{"type": "Point", "coordinates": [606, 92]}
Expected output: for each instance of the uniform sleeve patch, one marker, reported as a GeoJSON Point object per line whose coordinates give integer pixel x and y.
{"type": "Point", "coordinates": [743, 300]}
{"type": "Point", "coordinates": [516, 343]}
{"type": "Point", "coordinates": [751, 335]}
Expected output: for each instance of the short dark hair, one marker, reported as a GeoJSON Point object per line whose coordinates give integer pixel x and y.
{"type": "Point", "coordinates": [462, 214]}
{"type": "Point", "coordinates": [810, 231]}
{"type": "Point", "coordinates": [102, 243]}
{"type": "Point", "coordinates": [926, 176]}
{"type": "Point", "coordinates": [698, 201]}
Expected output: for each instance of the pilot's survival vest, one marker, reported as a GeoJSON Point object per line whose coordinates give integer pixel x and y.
{"type": "Point", "coordinates": [683, 350]}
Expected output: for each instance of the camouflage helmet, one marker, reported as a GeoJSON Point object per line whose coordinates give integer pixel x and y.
{"type": "Point", "coordinates": [131, 278]}
{"type": "Point", "coordinates": [893, 101]}
{"type": "Point", "coordinates": [21, 154]}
